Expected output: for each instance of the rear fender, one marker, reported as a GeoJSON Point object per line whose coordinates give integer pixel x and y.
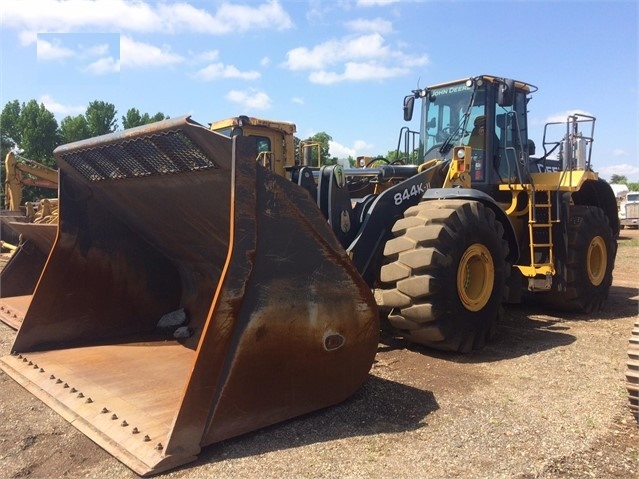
{"type": "Point", "coordinates": [599, 193]}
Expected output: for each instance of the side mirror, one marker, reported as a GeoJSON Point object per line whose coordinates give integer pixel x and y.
{"type": "Point", "coordinates": [409, 105]}
{"type": "Point", "coordinates": [531, 147]}
{"type": "Point", "coordinates": [506, 93]}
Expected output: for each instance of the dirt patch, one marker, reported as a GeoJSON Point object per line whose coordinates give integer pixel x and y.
{"type": "Point", "coordinates": [545, 399]}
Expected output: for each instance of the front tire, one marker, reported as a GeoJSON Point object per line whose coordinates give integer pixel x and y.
{"type": "Point", "coordinates": [445, 274]}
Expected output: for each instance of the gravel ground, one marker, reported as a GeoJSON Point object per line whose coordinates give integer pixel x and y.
{"type": "Point", "coordinates": [546, 399]}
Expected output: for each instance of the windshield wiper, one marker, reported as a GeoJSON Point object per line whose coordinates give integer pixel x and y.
{"type": "Point", "coordinates": [448, 144]}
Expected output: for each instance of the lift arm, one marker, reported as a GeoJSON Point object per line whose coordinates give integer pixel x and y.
{"type": "Point", "coordinates": [39, 175]}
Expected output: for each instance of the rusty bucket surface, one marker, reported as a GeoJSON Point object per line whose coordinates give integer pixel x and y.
{"type": "Point", "coordinates": [273, 320]}
{"type": "Point", "coordinates": [20, 275]}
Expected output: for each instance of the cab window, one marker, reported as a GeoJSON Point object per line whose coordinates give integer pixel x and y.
{"type": "Point", "coordinates": [263, 144]}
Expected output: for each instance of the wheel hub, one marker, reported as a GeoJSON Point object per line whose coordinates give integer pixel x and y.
{"type": "Point", "coordinates": [475, 277]}
{"type": "Point", "coordinates": [596, 260]}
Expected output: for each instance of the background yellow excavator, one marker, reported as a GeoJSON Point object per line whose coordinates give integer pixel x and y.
{"type": "Point", "coordinates": [21, 172]}
{"type": "Point", "coordinates": [27, 230]}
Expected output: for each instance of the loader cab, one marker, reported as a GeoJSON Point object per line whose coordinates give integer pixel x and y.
{"type": "Point", "coordinates": [486, 113]}
{"type": "Point", "coordinates": [274, 139]}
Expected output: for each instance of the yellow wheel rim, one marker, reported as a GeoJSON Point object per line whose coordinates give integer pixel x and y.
{"type": "Point", "coordinates": [597, 260]}
{"type": "Point", "coordinates": [475, 277]}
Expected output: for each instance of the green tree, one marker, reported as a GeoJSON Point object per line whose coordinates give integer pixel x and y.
{"type": "Point", "coordinates": [158, 117]}
{"type": "Point", "coordinates": [9, 126]}
{"type": "Point", "coordinates": [9, 136]}
{"type": "Point", "coordinates": [73, 129]}
{"type": "Point", "coordinates": [310, 152]}
{"type": "Point", "coordinates": [33, 131]}
{"type": "Point", "coordinates": [38, 133]}
{"type": "Point", "coordinates": [618, 180]}
{"type": "Point", "coordinates": [393, 155]}
{"type": "Point", "coordinates": [101, 118]}
{"type": "Point", "coordinates": [133, 118]}
{"type": "Point", "coordinates": [633, 186]}
{"type": "Point", "coordinates": [323, 139]}
{"type": "Point", "coordinates": [399, 157]}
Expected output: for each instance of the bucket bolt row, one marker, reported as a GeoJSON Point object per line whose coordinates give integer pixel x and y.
{"type": "Point", "coordinates": [80, 395]}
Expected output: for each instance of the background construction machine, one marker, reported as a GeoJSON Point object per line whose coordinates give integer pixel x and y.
{"type": "Point", "coordinates": [21, 172]}
{"type": "Point", "coordinates": [27, 230]}
{"type": "Point", "coordinates": [194, 293]}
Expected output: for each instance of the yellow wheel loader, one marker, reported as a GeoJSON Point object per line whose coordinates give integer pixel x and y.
{"type": "Point", "coordinates": [513, 224]}
{"type": "Point", "coordinates": [202, 286]}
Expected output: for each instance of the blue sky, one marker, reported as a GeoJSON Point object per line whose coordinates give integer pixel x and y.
{"type": "Point", "coordinates": [340, 66]}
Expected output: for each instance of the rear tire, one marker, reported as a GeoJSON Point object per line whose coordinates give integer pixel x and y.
{"type": "Point", "coordinates": [632, 372]}
{"type": "Point", "coordinates": [445, 274]}
{"type": "Point", "coordinates": [589, 262]}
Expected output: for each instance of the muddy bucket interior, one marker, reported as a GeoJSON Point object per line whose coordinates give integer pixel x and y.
{"type": "Point", "coordinates": [191, 296]}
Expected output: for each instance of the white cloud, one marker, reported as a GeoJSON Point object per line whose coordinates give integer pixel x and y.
{"type": "Point", "coordinates": [619, 152]}
{"type": "Point", "coordinates": [337, 150]}
{"type": "Point", "coordinates": [266, 61]}
{"type": "Point", "coordinates": [207, 56]}
{"type": "Point", "coordinates": [363, 146]}
{"type": "Point", "coordinates": [103, 66]}
{"type": "Point", "coordinates": [297, 100]}
{"type": "Point", "coordinates": [374, 3]}
{"type": "Point", "coordinates": [95, 50]}
{"type": "Point", "coordinates": [59, 109]}
{"type": "Point", "coordinates": [268, 15]}
{"type": "Point", "coordinates": [77, 15]}
{"type": "Point", "coordinates": [52, 50]}
{"type": "Point", "coordinates": [562, 116]}
{"type": "Point", "coordinates": [377, 25]}
{"type": "Point", "coordinates": [251, 99]}
{"type": "Point", "coordinates": [218, 70]}
{"type": "Point", "coordinates": [30, 17]}
{"type": "Point", "coordinates": [357, 72]}
{"type": "Point", "coordinates": [337, 51]}
{"type": "Point", "coordinates": [631, 172]}
{"type": "Point", "coordinates": [355, 58]}
{"type": "Point", "coordinates": [136, 54]}
{"type": "Point", "coordinates": [359, 148]}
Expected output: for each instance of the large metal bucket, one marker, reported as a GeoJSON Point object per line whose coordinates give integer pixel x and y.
{"type": "Point", "coordinates": [20, 275]}
{"type": "Point", "coordinates": [171, 217]}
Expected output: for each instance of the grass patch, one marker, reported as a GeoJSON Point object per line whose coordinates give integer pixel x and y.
{"type": "Point", "coordinates": [624, 243]}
